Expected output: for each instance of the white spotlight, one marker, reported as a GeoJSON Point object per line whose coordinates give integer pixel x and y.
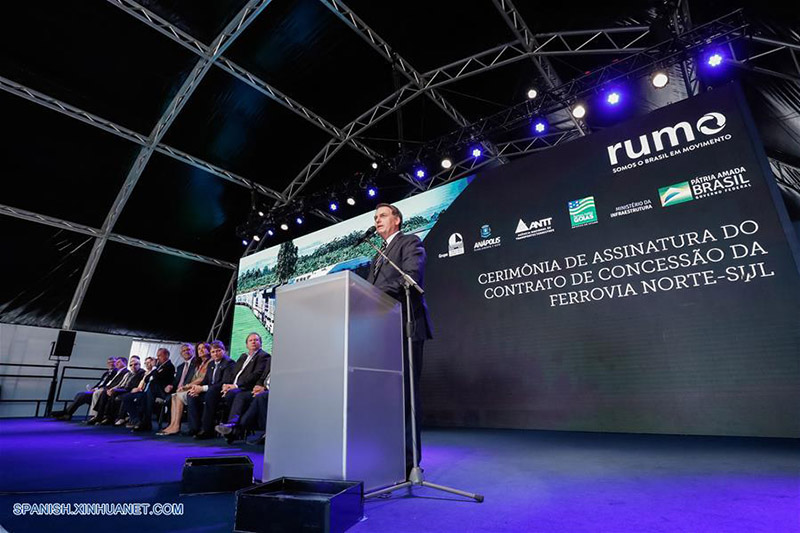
{"type": "Point", "coordinates": [532, 94]}
{"type": "Point", "coordinates": [256, 238]}
{"type": "Point", "coordinates": [351, 200]}
{"type": "Point", "coordinates": [659, 79]}
{"type": "Point", "coordinates": [375, 165]}
{"type": "Point", "coordinates": [579, 111]}
{"type": "Point", "coordinates": [261, 213]}
{"type": "Point", "coordinates": [284, 226]}
{"type": "Point", "coordinates": [447, 162]}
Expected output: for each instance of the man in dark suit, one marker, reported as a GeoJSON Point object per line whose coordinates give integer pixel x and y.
{"type": "Point", "coordinates": [218, 373]}
{"type": "Point", "coordinates": [240, 415]}
{"type": "Point", "coordinates": [108, 403]}
{"type": "Point", "coordinates": [407, 252]}
{"type": "Point", "coordinates": [85, 397]}
{"type": "Point", "coordinates": [161, 378]}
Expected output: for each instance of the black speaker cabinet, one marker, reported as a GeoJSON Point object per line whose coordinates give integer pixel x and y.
{"type": "Point", "coordinates": [64, 344]}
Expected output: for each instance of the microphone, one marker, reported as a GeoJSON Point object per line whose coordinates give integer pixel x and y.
{"type": "Point", "coordinates": [367, 234]}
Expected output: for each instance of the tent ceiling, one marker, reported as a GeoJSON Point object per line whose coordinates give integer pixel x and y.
{"type": "Point", "coordinates": [303, 75]}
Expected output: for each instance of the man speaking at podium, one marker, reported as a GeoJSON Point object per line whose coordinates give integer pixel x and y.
{"type": "Point", "coordinates": [407, 252]}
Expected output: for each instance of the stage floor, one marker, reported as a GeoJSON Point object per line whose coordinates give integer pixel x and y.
{"type": "Point", "coordinates": [533, 481]}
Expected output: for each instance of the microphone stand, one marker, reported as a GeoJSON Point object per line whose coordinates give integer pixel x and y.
{"type": "Point", "coordinates": [415, 477]}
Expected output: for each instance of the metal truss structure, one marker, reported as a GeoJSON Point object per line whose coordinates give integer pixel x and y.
{"type": "Point", "coordinates": [623, 41]}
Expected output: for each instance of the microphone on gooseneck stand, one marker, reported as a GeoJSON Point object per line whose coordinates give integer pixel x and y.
{"type": "Point", "coordinates": [367, 234]}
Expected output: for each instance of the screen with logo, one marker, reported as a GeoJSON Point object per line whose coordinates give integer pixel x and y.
{"type": "Point", "coordinates": [642, 279]}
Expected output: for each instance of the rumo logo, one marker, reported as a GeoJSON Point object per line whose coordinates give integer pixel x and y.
{"type": "Point", "coordinates": [708, 124]}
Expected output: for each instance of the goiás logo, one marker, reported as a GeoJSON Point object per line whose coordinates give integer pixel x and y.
{"type": "Point", "coordinates": [629, 153]}
{"type": "Point", "coordinates": [582, 212]}
{"type": "Point", "coordinates": [487, 240]}
{"type": "Point", "coordinates": [534, 228]}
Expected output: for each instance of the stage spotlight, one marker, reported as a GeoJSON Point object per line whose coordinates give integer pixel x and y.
{"type": "Point", "coordinates": [374, 165]}
{"type": "Point", "coordinates": [613, 97]}
{"type": "Point", "coordinates": [285, 226]}
{"type": "Point", "coordinates": [261, 213]}
{"type": "Point", "coordinates": [540, 126]}
{"type": "Point", "coordinates": [476, 152]}
{"type": "Point", "coordinates": [714, 60]}
{"type": "Point", "coordinates": [532, 94]}
{"type": "Point", "coordinates": [446, 163]}
{"type": "Point", "coordinates": [659, 79]}
{"type": "Point", "coordinates": [351, 200]}
{"type": "Point", "coordinates": [299, 220]}
{"type": "Point", "coordinates": [256, 238]}
{"type": "Point", "coordinates": [333, 206]}
{"type": "Point", "coordinates": [420, 173]}
{"type": "Point", "coordinates": [579, 111]}
{"type": "Point", "coordinates": [372, 192]}
{"type": "Point", "coordinates": [244, 242]}
{"type": "Point", "coordinates": [270, 232]}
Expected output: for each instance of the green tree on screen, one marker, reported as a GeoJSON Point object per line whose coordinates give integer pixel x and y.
{"type": "Point", "coordinates": [287, 261]}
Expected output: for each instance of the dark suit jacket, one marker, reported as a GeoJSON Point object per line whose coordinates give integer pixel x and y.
{"type": "Point", "coordinates": [407, 252]}
{"type": "Point", "coordinates": [179, 372]}
{"type": "Point", "coordinates": [262, 379]}
{"type": "Point", "coordinates": [128, 383]}
{"type": "Point", "coordinates": [118, 377]}
{"type": "Point", "coordinates": [251, 373]}
{"type": "Point", "coordinates": [107, 376]}
{"type": "Point", "coordinates": [162, 375]}
{"type": "Point", "coordinates": [223, 372]}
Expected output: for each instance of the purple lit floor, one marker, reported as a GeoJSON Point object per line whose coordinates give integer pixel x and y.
{"type": "Point", "coordinates": [533, 481]}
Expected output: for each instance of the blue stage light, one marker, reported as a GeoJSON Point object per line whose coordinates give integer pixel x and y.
{"type": "Point", "coordinates": [476, 152]}
{"type": "Point", "coordinates": [372, 192]}
{"type": "Point", "coordinates": [714, 60]}
{"type": "Point", "coordinates": [270, 232]}
{"type": "Point", "coordinates": [540, 126]}
{"type": "Point", "coordinates": [333, 206]}
{"type": "Point", "coordinates": [244, 242]}
{"type": "Point", "coordinates": [613, 97]}
{"type": "Point", "coordinates": [420, 173]}
{"type": "Point", "coordinates": [299, 220]}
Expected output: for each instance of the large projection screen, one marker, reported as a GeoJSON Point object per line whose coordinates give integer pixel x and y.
{"type": "Point", "coordinates": [642, 279]}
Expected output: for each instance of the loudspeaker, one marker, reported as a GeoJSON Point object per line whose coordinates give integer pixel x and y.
{"type": "Point", "coordinates": [64, 344]}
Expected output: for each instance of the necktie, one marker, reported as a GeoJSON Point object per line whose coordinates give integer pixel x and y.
{"type": "Point", "coordinates": [214, 374]}
{"type": "Point", "coordinates": [379, 260]}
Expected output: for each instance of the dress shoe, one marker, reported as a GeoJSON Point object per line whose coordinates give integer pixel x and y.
{"type": "Point", "coordinates": [121, 422]}
{"type": "Point", "coordinates": [257, 440]}
{"type": "Point", "coordinates": [203, 436]}
{"type": "Point", "coordinates": [167, 433]}
{"type": "Point", "coordinates": [65, 417]}
{"type": "Point", "coordinates": [92, 421]}
{"type": "Point", "coordinates": [225, 429]}
{"type": "Point", "coordinates": [106, 422]}
{"type": "Point", "coordinates": [141, 428]}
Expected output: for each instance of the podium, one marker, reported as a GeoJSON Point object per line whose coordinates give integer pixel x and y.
{"type": "Point", "coordinates": [336, 384]}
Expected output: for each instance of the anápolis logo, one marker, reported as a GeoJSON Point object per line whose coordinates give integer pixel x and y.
{"type": "Point", "coordinates": [486, 232]}
{"type": "Point", "coordinates": [709, 124]}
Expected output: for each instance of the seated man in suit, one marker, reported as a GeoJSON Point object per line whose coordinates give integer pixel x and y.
{"type": "Point", "coordinates": [85, 397]}
{"type": "Point", "coordinates": [136, 395]}
{"type": "Point", "coordinates": [218, 373]}
{"type": "Point", "coordinates": [108, 403]}
{"type": "Point", "coordinates": [241, 417]}
{"type": "Point", "coordinates": [162, 377]}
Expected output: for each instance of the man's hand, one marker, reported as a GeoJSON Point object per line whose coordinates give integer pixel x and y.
{"type": "Point", "coordinates": [168, 389]}
{"type": "Point", "coordinates": [258, 389]}
{"type": "Point", "coordinates": [195, 390]}
{"type": "Point", "coordinates": [226, 387]}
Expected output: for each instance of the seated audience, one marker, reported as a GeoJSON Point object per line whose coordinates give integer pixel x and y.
{"type": "Point", "coordinates": [85, 397]}
{"type": "Point", "coordinates": [238, 420]}
{"type": "Point", "coordinates": [204, 397]}
{"type": "Point", "coordinates": [190, 372]}
{"type": "Point", "coordinates": [136, 395]}
{"type": "Point", "coordinates": [162, 377]}
{"type": "Point", "coordinates": [108, 403]}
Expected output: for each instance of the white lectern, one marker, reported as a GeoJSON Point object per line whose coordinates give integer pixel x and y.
{"type": "Point", "coordinates": [336, 384]}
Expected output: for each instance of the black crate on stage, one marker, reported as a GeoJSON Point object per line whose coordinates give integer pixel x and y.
{"type": "Point", "coordinates": [295, 505]}
{"type": "Point", "coordinates": [208, 475]}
